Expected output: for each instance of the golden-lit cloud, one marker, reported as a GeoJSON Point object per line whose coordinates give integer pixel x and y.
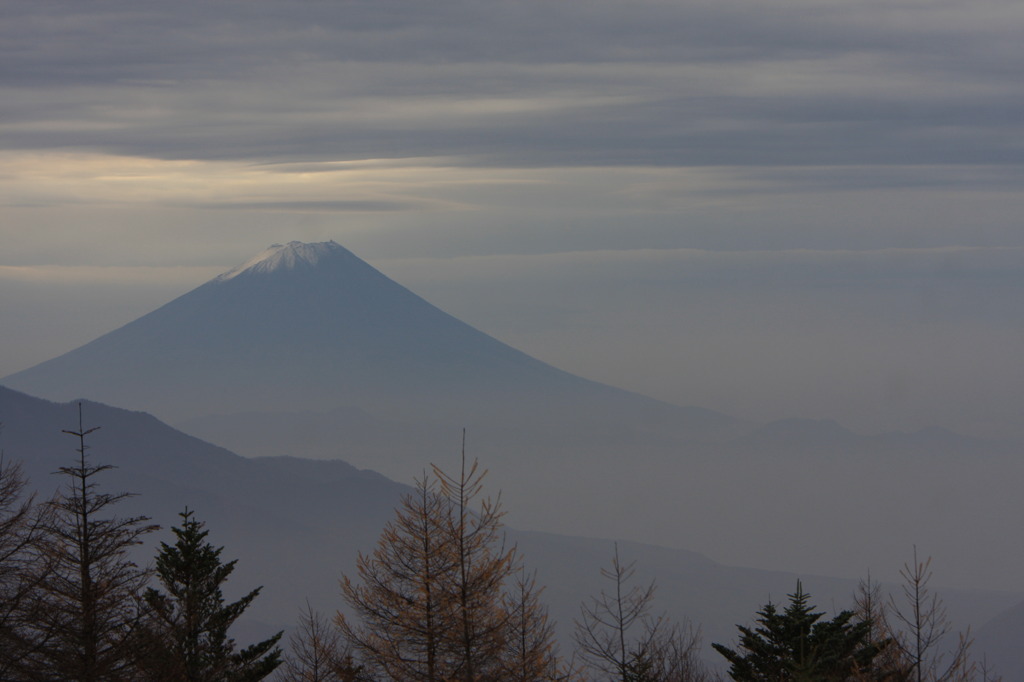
{"type": "Point", "coordinates": [53, 178]}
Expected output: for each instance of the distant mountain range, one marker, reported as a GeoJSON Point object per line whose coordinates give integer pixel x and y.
{"type": "Point", "coordinates": [307, 351]}
{"type": "Point", "coordinates": [296, 525]}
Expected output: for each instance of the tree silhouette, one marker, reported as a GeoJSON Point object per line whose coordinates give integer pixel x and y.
{"type": "Point", "coordinates": [186, 633]}
{"type": "Point", "coordinates": [796, 645]}
{"type": "Point", "coordinates": [20, 569]}
{"type": "Point", "coordinates": [89, 587]}
{"type": "Point", "coordinates": [430, 602]}
{"type": "Point", "coordinates": [617, 635]}
{"type": "Point", "coordinates": [921, 629]}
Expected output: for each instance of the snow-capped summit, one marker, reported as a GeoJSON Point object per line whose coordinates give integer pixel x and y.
{"type": "Point", "coordinates": [287, 257]}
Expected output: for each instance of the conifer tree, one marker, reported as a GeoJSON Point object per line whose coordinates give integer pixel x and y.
{"type": "Point", "coordinates": [529, 653]}
{"type": "Point", "coordinates": [795, 645]}
{"type": "Point", "coordinates": [430, 603]}
{"type": "Point", "coordinates": [605, 633]}
{"type": "Point", "coordinates": [20, 523]}
{"type": "Point", "coordinates": [402, 609]}
{"type": "Point", "coordinates": [318, 653]}
{"type": "Point", "coordinates": [482, 565]}
{"type": "Point", "coordinates": [88, 587]}
{"type": "Point", "coordinates": [925, 648]}
{"type": "Point", "coordinates": [186, 634]}
{"type": "Point", "coordinates": [890, 665]}
{"type": "Point", "coordinates": [617, 636]}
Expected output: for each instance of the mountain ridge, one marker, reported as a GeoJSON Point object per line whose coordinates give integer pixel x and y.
{"type": "Point", "coordinates": [296, 525]}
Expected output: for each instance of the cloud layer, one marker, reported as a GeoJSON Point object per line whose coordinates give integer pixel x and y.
{"type": "Point", "coordinates": [732, 82]}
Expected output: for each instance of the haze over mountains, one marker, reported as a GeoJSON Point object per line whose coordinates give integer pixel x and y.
{"type": "Point", "coordinates": [295, 525]}
{"type": "Point", "coordinates": [306, 350]}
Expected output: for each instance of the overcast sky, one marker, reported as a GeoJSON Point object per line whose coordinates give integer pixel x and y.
{"type": "Point", "coordinates": [771, 209]}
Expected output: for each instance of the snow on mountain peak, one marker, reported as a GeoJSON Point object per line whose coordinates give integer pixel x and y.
{"type": "Point", "coordinates": [284, 257]}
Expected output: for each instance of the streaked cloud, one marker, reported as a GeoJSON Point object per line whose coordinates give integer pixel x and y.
{"type": "Point", "coordinates": [734, 82]}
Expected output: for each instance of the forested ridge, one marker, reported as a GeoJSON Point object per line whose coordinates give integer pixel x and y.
{"type": "Point", "coordinates": [441, 598]}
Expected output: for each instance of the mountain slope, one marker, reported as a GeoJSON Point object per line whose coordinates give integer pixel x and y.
{"type": "Point", "coordinates": [311, 326]}
{"type": "Point", "coordinates": [296, 525]}
{"type": "Point", "coordinates": [276, 516]}
{"type": "Point", "coordinates": [306, 350]}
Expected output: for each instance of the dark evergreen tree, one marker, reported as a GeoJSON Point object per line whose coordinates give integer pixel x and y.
{"type": "Point", "coordinates": [186, 636]}
{"type": "Point", "coordinates": [797, 646]}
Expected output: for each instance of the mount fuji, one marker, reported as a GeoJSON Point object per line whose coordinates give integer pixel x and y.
{"type": "Point", "coordinates": [312, 327]}
{"type": "Point", "coordinates": [308, 351]}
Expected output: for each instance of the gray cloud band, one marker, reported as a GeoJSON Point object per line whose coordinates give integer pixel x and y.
{"type": "Point", "coordinates": [531, 84]}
